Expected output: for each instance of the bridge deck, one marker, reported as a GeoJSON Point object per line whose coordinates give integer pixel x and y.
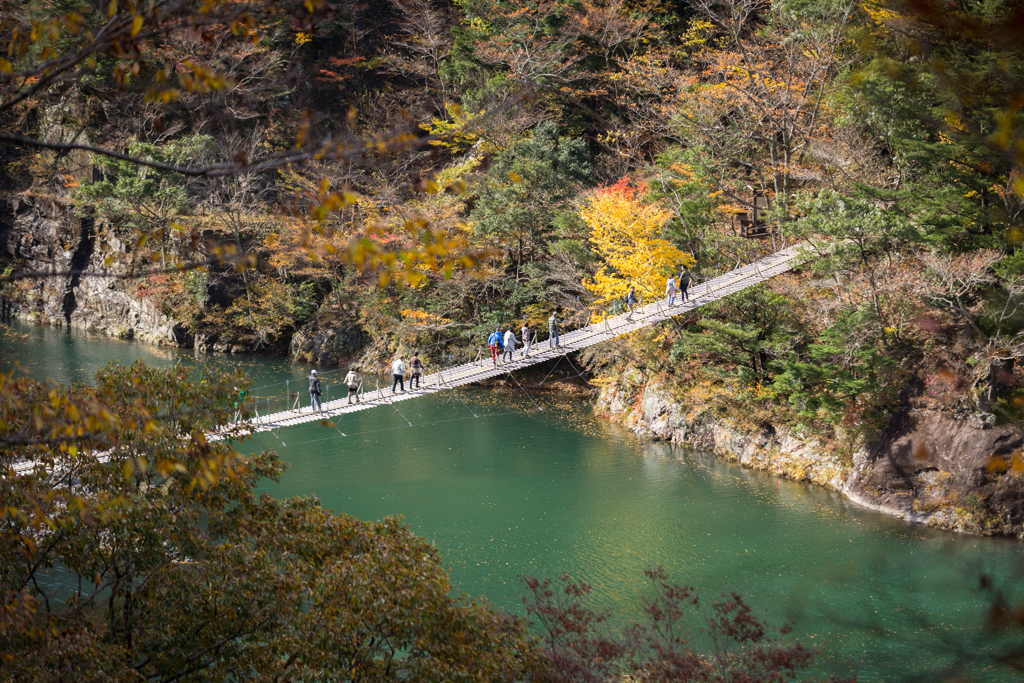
{"type": "Point", "coordinates": [654, 312]}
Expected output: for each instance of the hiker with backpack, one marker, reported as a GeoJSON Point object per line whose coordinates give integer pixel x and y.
{"type": "Point", "coordinates": [353, 380]}
{"type": "Point", "coordinates": [416, 367]}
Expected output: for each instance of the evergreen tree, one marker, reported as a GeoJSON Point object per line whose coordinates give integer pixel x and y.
{"type": "Point", "coordinates": [526, 188]}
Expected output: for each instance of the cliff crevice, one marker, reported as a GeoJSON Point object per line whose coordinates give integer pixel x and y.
{"type": "Point", "coordinates": [43, 235]}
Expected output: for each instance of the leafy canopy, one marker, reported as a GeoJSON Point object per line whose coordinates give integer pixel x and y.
{"type": "Point", "coordinates": [165, 563]}
{"type": "Point", "coordinates": [525, 188]}
{"type": "Point", "coordinates": [627, 233]}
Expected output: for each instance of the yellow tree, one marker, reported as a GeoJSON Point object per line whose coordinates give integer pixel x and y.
{"type": "Point", "coordinates": [627, 233]}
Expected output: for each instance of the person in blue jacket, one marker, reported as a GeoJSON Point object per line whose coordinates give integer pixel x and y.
{"type": "Point", "coordinates": [495, 341]}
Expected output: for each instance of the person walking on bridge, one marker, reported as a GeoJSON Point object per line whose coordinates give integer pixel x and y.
{"type": "Point", "coordinates": [670, 290]}
{"type": "Point", "coordinates": [630, 301]}
{"type": "Point", "coordinates": [495, 340]}
{"type": "Point", "coordinates": [416, 366]}
{"type": "Point", "coordinates": [684, 283]}
{"type": "Point", "coordinates": [353, 380]}
{"type": "Point", "coordinates": [398, 374]}
{"type": "Point", "coordinates": [314, 392]}
{"type": "Point", "coordinates": [553, 330]}
{"type": "Point", "coordinates": [510, 344]}
{"type": "Point", "coordinates": [526, 339]}
{"type": "Point", "coordinates": [239, 405]}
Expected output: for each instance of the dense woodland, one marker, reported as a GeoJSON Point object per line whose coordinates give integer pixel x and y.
{"type": "Point", "coordinates": [345, 180]}
{"type": "Point", "coordinates": [513, 146]}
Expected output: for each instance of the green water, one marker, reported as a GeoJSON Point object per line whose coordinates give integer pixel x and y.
{"type": "Point", "coordinates": [521, 491]}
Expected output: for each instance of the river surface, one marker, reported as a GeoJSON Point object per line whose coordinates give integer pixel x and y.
{"type": "Point", "coordinates": [504, 489]}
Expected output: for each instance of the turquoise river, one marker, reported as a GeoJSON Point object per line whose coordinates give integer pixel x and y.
{"type": "Point", "coordinates": [519, 490]}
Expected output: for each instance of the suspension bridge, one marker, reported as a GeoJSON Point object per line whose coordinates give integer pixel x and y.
{"type": "Point", "coordinates": [483, 368]}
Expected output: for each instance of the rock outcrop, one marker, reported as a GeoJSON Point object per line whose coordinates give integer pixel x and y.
{"type": "Point", "coordinates": [328, 347]}
{"type": "Point", "coordinates": [43, 235]}
{"type": "Point", "coordinates": [927, 467]}
{"type": "Point", "coordinates": [952, 473]}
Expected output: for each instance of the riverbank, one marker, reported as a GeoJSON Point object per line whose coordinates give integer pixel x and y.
{"type": "Point", "coordinates": [926, 468]}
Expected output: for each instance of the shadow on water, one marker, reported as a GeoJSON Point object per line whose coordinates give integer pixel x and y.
{"type": "Point", "coordinates": [561, 491]}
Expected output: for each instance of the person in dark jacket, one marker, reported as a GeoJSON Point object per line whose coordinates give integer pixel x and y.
{"type": "Point", "coordinates": [416, 367]}
{"type": "Point", "coordinates": [630, 301]}
{"type": "Point", "coordinates": [684, 283]}
{"type": "Point", "coordinates": [314, 392]}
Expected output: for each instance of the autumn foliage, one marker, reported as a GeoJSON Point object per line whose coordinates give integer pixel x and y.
{"type": "Point", "coordinates": [627, 232]}
{"type": "Point", "coordinates": [580, 646]}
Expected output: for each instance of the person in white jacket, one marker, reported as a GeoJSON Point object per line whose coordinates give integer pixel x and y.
{"type": "Point", "coordinates": [510, 343]}
{"type": "Point", "coordinates": [353, 380]}
{"type": "Point", "coordinates": [314, 392]}
{"type": "Point", "coordinates": [398, 373]}
{"type": "Point", "coordinates": [670, 291]}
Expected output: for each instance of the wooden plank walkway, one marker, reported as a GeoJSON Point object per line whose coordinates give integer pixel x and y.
{"type": "Point", "coordinates": [449, 378]}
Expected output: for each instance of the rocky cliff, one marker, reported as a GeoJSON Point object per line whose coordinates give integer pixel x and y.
{"type": "Point", "coordinates": [331, 347]}
{"type": "Point", "coordinates": [927, 467]}
{"type": "Point", "coordinates": [43, 235]}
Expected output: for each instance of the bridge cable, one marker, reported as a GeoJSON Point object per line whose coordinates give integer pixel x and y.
{"type": "Point", "coordinates": [579, 373]}
{"type": "Point", "coordinates": [524, 390]}
{"type": "Point", "coordinates": [456, 394]}
{"type": "Point", "coordinates": [552, 370]}
{"type": "Point", "coordinates": [392, 404]}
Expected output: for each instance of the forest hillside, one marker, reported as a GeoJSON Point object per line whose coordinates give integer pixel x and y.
{"type": "Point", "coordinates": [342, 181]}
